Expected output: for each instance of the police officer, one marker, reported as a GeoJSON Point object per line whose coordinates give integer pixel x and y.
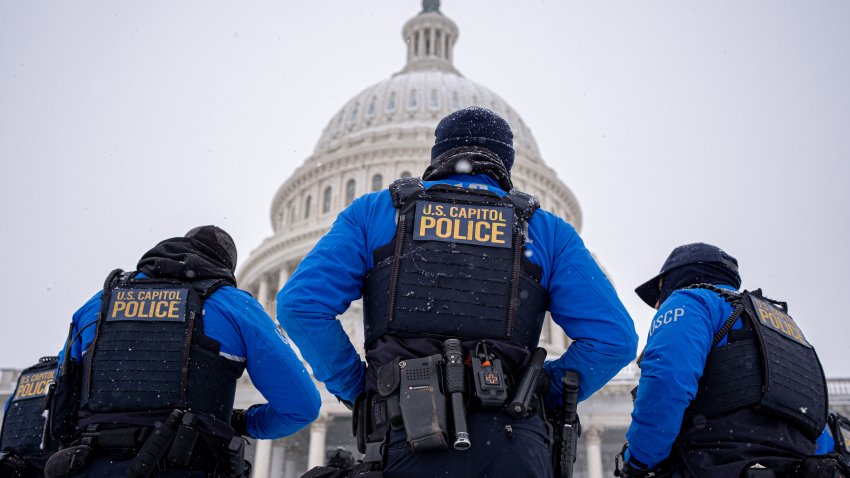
{"type": "Point", "coordinates": [24, 445]}
{"type": "Point", "coordinates": [460, 255]}
{"type": "Point", "coordinates": [148, 375]}
{"type": "Point", "coordinates": [728, 380]}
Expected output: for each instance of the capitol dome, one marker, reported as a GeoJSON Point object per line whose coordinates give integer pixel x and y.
{"type": "Point", "coordinates": [386, 132]}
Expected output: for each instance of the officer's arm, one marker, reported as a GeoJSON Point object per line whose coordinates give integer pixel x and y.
{"type": "Point", "coordinates": [82, 320]}
{"type": "Point", "coordinates": [583, 303]}
{"type": "Point", "coordinates": [293, 401]}
{"type": "Point", "coordinates": [679, 341]}
{"type": "Point", "coordinates": [327, 280]}
{"type": "Point", "coordinates": [65, 399]}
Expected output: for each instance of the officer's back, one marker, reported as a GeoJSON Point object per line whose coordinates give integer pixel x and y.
{"type": "Point", "coordinates": [24, 443]}
{"type": "Point", "coordinates": [460, 255]}
{"type": "Point", "coordinates": [166, 344]}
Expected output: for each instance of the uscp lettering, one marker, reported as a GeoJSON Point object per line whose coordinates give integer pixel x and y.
{"type": "Point", "coordinates": [665, 318]}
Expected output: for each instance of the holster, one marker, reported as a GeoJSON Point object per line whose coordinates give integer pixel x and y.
{"type": "Point", "coordinates": [68, 461]}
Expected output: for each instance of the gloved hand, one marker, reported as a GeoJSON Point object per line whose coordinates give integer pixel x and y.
{"type": "Point", "coordinates": [634, 469]}
{"type": "Point", "coordinates": [239, 423]}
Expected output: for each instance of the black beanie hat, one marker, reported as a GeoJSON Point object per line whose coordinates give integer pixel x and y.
{"type": "Point", "coordinates": [475, 126]}
{"type": "Point", "coordinates": [688, 265]}
{"type": "Point", "coordinates": [217, 239]}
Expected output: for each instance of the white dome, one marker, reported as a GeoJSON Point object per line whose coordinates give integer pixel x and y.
{"type": "Point", "coordinates": [385, 132]}
{"type": "Point", "coordinates": [413, 100]}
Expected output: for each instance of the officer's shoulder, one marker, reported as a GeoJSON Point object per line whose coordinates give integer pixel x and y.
{"type": "Point", "coordinates": [364, 205]}
{"type": "Point", "coordinates": [230, 294]}
{"type": "Point", "coordinates": [546, 220]}
{"type": "Point", "coordinates": [703, 297]}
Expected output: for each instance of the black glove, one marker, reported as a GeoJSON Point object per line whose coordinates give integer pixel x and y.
{"type": "Point", "coordinates": [635, 469]}
{"type": "Point", "coordinates": [238, 422]}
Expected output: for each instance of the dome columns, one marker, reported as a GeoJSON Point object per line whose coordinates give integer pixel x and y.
{"type": "Point", "coordinates": [430, 39]}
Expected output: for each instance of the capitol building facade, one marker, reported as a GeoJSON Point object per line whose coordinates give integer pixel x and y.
{"type": "Point", "coordinates": [383, 133]}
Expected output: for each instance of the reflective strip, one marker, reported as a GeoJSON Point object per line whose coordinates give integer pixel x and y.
{"type": "Point", "coordinates": [234, 358]}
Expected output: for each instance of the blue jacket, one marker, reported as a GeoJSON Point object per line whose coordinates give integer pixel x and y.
{"type": "Point", "coordinates": [246, 334]}
{"type": "Point", "coordinates": [330, 277]}
{"type": "Point", "coordinates": [679, 341]}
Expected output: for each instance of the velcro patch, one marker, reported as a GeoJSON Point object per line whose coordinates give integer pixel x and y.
{"type": "Point", "coordinates": [774, 318]}
{"type": "Point", "coordinates": [465, 223]}
{"type": "Point", "coordinates": [34, 384]}
{"type": "Point", "coordinates": [167, 305]}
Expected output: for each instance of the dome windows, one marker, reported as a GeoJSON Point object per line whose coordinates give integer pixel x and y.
{"type": "Point", "coordinates": [391, 102]}
{"type": "Point", "coordinates": [370, 110]}
{"type": "Point", "coordinates": [377, 182]}
{"type": "Point", "coordinates": [308, 203]}
{"type": "Point", "coordinates": [412, 100]}
{"type": "Point", "coordinates": [353, 116]}
{"type": "Point", "coordinates": [434, 100]}
{"type": "Point", "coordinates": [326, 200]}
{"type": "Point", "coordinates": [350, 191]}
{"type": "Point", "coordinates": [455, 100]}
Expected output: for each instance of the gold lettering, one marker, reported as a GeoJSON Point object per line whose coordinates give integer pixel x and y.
{"type": "Point", "coordinates": [425, 224]}
{"type": "Point", "coordinates": [439, 210]}
{"type": "Point", "coordinates": [132, 309]}
{"type": "Point", "coordinates": [118, 306]}
{"type": "Point", "coordinates": [497, 232]}
{"type": "Point", "coordinates": [479, 236]}
{"type": "Point", "coordinates": [444, 227]}
{"type": "Point", "coordinates": [173, 309]}
{"type": "Point", "coordinates": [161, 311]}
{"type": "Point", "coordinates": [453, 211]}
{"type": "Point", "coordinates": [456, 231]}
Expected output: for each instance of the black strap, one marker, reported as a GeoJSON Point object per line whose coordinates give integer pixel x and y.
{"type": "Point", "coordinates": [112, 279]}
{"type": "Point", "coordinates": [524, 204]}
{"type": "Point", "coordinates": [403, 189]}
{"type": "Point", "coordinates": [207, 287]}
{"type": "Point", "coordinates": [729, 296]}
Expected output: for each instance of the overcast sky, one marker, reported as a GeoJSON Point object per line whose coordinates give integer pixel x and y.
{"type": "Point", "coordinates": [123, 123]}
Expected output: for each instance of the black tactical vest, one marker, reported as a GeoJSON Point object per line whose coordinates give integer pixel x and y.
{"type": "Point", "coordinates": [456, 268]}
{"type": "Point", "coordinates": [24, 421]}
{"type": "Point", "coordinates": [767, 365]}
{"type": "Point", "coordinates": [150, 353]}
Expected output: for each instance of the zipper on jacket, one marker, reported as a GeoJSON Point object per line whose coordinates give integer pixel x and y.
{"type": "Point", "coordinates": [514, 282]}
{"type": "Point", "coordinates": [391, 293]}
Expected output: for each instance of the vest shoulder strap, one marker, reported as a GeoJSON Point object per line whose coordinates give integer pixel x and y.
{"type": "Point", "coordinates": [734, 298]}
{"type": "Point", "coordinates": [207, 287]}
{"type": "Point", "coordinates": [114, 277]}
{"type": "Point", "coordinates": [403, 189]}
{"type": "Point", "coordinates": [524, 204]}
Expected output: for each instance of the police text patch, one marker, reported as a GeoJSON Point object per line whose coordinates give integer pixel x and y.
{"type": "Point", "coordinates": [148, 304]}
{"type": "Point", "coordinates": [34, 384]}
{"type": "Point", "coordinates": [465, 223]}
{"type": "Point", "coordinates": [773, 318]}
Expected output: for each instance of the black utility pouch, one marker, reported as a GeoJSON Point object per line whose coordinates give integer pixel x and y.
{"type": "Point", "coordinates": [67, 461]}
{"type": "Point", "coordinates": [422, 402]}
